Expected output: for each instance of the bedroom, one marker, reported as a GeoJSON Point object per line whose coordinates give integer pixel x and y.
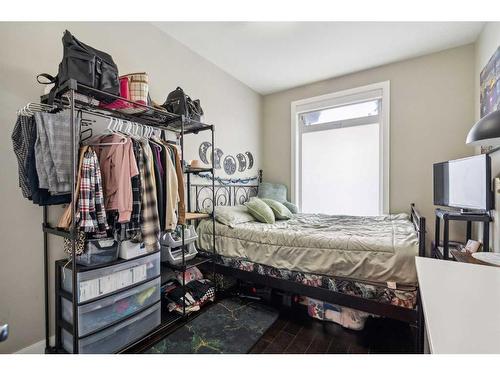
{"type": "Point", "coordinates": [319, 154]}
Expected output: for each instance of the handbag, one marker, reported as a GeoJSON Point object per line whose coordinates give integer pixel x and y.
{"type": "Point", "coordinates": [133, 87]}
{"type": "Point", "coordinates": [181, 104]}
{"type": "Point", "coordinates": [88, 66]}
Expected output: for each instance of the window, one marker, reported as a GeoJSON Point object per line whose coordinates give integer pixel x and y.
{"type": "Point", "coordinates": [340, 152]}
{"type": "Point", "coordinates": [344, 112]}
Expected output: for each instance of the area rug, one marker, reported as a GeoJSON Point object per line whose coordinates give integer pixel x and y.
{"type": "Point", "coordinates": [231, 326]}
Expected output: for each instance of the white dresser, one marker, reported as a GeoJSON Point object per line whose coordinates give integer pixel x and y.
{"type": "Point", "coordinates": [461, 306]}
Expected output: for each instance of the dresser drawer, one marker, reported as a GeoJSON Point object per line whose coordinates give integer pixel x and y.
{"type": "Point", "coordinates": [116, 337]}
{"type": "Point", "coordinates": [96, 283]}
{"type": "Point", "coordinates": [106, 311]}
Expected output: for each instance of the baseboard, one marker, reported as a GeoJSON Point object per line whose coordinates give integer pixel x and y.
{"type": "Point", "coordinates": [36, 348]}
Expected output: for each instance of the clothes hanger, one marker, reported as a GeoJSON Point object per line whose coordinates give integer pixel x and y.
{"type": "Point", "coordinates": [139, 128]}
{"type": "Point", "coordinates": [30, 108]}
{"type": "Point", "coordinates": [112, 130]}
{"type": "Point", "coordinates": [119, 126]}
{"type": "Point", "coordinates": [128, 127]}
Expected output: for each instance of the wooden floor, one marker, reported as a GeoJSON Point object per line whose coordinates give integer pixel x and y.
{"type": "Point", "coordinates": [295, 332]}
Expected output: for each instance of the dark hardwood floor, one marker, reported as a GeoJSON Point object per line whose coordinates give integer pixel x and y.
{"type": "Point", "coordinates": [295, 332]}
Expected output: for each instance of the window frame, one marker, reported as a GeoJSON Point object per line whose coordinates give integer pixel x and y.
{"type": "Point", "coordinates": [374, 91]}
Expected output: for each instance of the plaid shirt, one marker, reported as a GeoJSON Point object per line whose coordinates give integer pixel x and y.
{"type": "Point", "coordinates": [150, 223]}
{"type": "Point", "coordinates": [91, 212]}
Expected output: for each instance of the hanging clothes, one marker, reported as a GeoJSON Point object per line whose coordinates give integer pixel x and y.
{"type": "Point", "coordinates": [135, 218]}
{"type": "Point", "coordinates": [24, 138]}
{"type": "Point", "coordinates": [159, 174]}
{"type": "Point", "coordinates": [133, 227]}
{"type": "Point", "coordinates": [65, 219]}
{"type": "Point", "coordinates": [53, 151]}
{"type": "Point", "coordinates": [135, 183]}
{"type": "Point", "coordinates": [181, 210]}
{"type": "Point", "coordinates": [91, 214]}
{"type": "Point", "coordinates": [42, 197]}
{"type": "Point", "coordinates": [171, 183]}
{"type": "Point", "coordinates": [118, 166]}
{"type": "Point", "coordinates": [150, 224]}
{"type": "Point", "coordinates": [172, 193]}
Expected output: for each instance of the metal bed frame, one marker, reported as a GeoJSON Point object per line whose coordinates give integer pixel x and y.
{"type": "Point", "coordinates": [238, 194]}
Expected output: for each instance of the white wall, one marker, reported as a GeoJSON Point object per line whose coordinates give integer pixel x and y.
{"type": "Point", "coordinates": [432, 110]}
{"type": "Point", "coordinates": [486, 45]}
{"type": "Point", "coordinates": [32, 48]}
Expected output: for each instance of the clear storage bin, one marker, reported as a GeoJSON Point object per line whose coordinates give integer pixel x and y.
{"type": "Point", "coordinates": [106, 311]}
{"type": "Point", "coordinates": [130, 249]}
{"type": "Point", "coordinates": [103, 281]}
{"type": "Point", "coordinates": [116, 337]}
{"type": "Point", "coordinates": [99, 251]}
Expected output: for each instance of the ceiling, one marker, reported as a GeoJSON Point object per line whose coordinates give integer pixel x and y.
{"type": "Point", "coordinates": [274, 56]}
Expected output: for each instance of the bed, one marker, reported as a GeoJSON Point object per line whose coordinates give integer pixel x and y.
{"type": "Point", "coordinates": [371, 257]}
{"type": "Point", "coordinates": [365, 263]}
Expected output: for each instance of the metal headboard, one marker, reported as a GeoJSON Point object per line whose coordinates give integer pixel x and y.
{"type": "Point", "coordinates": [200, 196]}
{"type": "Point", "coordinates": [225, 195]}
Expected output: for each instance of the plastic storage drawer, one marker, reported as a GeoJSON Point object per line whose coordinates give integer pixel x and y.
{"type": "Point", "coordinates": [106, 311]}
{"type": "Point", "coordinates": [116, 337]}
{"type": "Point", "coordinates": [103, 281]}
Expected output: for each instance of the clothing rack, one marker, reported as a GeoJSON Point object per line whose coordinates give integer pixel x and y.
{"type": "Point", "coordinates": [156, 118]}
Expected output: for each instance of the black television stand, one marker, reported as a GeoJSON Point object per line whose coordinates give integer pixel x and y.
{"type": "Point", "coordinates": [464, 211]}
{"type": "Point", "coordinates": [442, 250]}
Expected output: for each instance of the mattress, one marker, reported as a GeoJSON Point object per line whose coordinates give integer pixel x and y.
{"type": "Point", "coordinates": [376, 250]}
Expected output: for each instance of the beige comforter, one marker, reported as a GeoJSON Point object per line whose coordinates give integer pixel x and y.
{"type": "Point", "coordinates": [378, 249]}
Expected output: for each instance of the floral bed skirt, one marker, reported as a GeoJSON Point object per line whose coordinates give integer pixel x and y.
{"type": "Point", "coordinates": [397, 297]}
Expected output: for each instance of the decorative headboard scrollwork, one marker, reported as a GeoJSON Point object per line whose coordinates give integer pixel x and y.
{"type": "Point", "coordinates": [201, 195]}
{"type": "Point", "coordinates": [225, 195]}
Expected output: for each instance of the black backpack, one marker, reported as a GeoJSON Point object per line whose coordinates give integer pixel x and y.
{"type": "Point", "coordinates": [87, 65]}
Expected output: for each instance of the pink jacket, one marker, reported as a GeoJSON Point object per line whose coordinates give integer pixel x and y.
{"type": "Point", "coordinates": [118, 166]}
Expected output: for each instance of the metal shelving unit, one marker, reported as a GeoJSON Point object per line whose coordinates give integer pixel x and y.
{"type": "Point", "coordinates": [154, 117]}
{"type": "Point", "coordinates": [441, 249]}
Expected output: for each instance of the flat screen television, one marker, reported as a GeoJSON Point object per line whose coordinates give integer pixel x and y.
{"type": "Point", "coordinates": [464, 183]}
